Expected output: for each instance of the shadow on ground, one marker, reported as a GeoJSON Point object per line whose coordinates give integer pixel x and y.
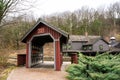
{"type": "Point", "coordinates": [44, 65]}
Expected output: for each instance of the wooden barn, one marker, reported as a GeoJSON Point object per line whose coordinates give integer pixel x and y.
{"type": "Point", "coordinates": [35, 39]}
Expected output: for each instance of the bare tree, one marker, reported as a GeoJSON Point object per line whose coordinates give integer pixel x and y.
{"type": "Point", "coordinates": [5, 7]}
{"type": "Point", "coordinates": [117, 9]}
{"type": "Point", "coordinates": [14, 8]}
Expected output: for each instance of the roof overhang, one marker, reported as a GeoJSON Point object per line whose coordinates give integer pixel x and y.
{"type": "Point", "coordinates": [63, 33]}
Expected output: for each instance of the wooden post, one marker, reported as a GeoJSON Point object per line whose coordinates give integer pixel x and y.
{"type": "Point", "coordinates": [74, 58]}
{"type": "Point", "coordinates": [57, 55]}
{"type": "Point", "coordinates": [27, 54]}
{"type": "Point", "coordinates": [71, 59]}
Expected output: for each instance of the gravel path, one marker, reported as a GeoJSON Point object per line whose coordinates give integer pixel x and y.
{"type": "Point", "coordinates": [41, 73]}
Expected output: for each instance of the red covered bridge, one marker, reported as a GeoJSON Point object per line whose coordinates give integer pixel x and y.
{"type": "Point", "coordinates": [35, 39]}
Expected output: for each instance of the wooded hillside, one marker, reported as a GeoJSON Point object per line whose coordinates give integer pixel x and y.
{"type": "Point", "coordinates": [101, 21]}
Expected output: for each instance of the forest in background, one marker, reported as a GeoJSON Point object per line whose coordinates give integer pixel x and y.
{"type": "Point", "coordinates": [101, 21]}
{"type": "Point", "coordinates": [104, 21]}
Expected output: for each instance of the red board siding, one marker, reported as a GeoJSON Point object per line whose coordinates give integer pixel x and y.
{"type": "Point", "coordinates": [46, 29]}
{"type": "Point", "coordinates": [58, 56]}
{"type": "Point", "coordinates": [21, 59]}
{"type": "Point", "coordinates": [43, 30]}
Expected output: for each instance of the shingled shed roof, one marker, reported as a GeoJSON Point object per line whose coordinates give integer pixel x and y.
{"type": "Point", "coordinates": [118, 45]}
{"type": "Point", "coordinates": [82, 38]}
{"type": "Point", "coordinates": [65, 34]}
{"type": "Point", "coordinates": [94, 40]}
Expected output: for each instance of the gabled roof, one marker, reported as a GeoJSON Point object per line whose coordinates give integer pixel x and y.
{"type": "Point", "coordinates": [116, 45]}
{"type": "Point", "coordinates": [113, 43]}
{"type": "Point", "coordinates": [94, 40]}
{"type": "Point", "coordinates": [65, 34]}
{"type": "Point", "coordinates": [82, 37]}
{"type": "Point", "coordinates": [77, 38]}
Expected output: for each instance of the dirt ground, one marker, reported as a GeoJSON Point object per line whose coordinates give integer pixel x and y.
{"type": "Point", "coordinates": [39, 73]}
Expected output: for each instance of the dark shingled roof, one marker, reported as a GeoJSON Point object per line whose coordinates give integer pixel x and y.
{"type": "Point", "coordinates": [117, 45]}
{"type": "Point", "coordinates": [89, 39]}
{"type": "Point", "coordinates": [82, 38]}
{"type": "Point", "coordinates": [94, 40]}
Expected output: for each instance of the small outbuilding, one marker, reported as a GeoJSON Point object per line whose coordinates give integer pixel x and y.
{"type": "Point", "coordinates": [37, 36]}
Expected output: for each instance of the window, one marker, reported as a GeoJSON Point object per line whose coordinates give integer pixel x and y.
{"type": "Point", "coordinates": [84, 48]}
{"type": "Point", "coordinates": [101, 47]}
{"type": "Point", "coordinates": [89, 47]}
{"type": "Point", "coordinates": [69, 46]}
{"type": "Point", "coordinates": [64, 47]}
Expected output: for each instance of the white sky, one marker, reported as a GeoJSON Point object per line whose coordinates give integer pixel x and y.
{"type": "Point", "coordinates": [46, 7]}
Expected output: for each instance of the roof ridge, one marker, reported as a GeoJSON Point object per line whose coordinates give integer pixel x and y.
{"type": "Point", "coordinates": [52, 26]}
{"type": "Point", "coordinates": [45, 23]}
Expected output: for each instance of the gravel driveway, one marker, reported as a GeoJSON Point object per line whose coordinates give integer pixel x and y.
{"type": "Point", "coordinates": [41, 73]}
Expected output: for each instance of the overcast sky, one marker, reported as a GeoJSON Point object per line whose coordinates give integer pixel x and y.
{"type": "Point", "coordinates": [46, 7]}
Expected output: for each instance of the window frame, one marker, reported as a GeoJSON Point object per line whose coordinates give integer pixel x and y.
{"type": "Point", "coordinates": [100, 47]}
{"type": "Point", "coordinates": [90, 47]}
{"type": "Point", "coordinates": [85, 48]}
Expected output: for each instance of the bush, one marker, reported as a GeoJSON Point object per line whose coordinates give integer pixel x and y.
{"type": "Point", "coordinates": [101, 67]}
{"type": "Point", "coordinates": [3, 58]}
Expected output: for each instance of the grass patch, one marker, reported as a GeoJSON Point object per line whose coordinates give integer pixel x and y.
{"type": "Point", "coordinates": [4, 74]}
{"type": "Point", "coordinates": [5, 66]}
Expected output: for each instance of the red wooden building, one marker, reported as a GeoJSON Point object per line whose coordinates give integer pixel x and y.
{"type": "Point", "coordinates": [35, 39]}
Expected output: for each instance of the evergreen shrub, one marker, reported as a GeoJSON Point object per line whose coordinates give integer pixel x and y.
{"type": "Point", "coordinates": [100, 67]}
